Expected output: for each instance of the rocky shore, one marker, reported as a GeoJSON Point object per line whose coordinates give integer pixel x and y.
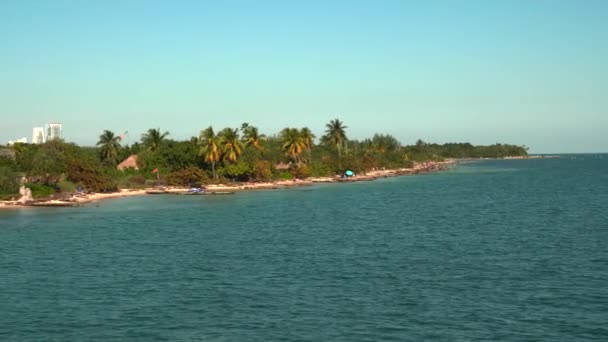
{"type": "Point", "coordinates": [75, 200]}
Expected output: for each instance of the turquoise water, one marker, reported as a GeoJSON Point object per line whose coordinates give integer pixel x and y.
{"type": "Point", "coordinates": [489, 251]}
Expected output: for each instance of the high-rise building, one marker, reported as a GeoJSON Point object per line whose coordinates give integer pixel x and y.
{"type": "Point", "coordinates": [38, 136]}
{"type": "Point", "coordinates": [54, 131]}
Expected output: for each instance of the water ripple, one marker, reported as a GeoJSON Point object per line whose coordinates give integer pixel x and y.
{"type": "Point", "coordinates": [496, 250]}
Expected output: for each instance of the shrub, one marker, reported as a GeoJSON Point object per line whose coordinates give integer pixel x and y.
{"type": "Point", "coordinates": [40, 190]}
{"type": "Point", "coordinates": [8, 197]}
{"type": "Point", "coordinates": [86, 173]}
{"type": "Point", "coordinates": [320, 170]}
{"type": "Point", "coordinates": [8, 181]}
{"type": "Point", "coordinates": [137, 180]}
{"type": "Point", "coordinates": [282, 175]}
{"type": "Point", "coordinates": [132, 182]}
{"type": "Point", "coordinates": [408, 164]}
{"type": "Point", "coordinates": [219, 180]}
{"type": "Point", "coordinates": [239, 171]}
{"type": "Point", "coordinates": [301, 171]}
{"type": "Point", "coordinates": [189, 176]}
{"type": "Point", "coordinates": [66, 186]}
{"type": "Point", "coordinates": [263, 170]}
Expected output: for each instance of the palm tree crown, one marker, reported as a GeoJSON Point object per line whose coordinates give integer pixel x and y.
{"type": "Point", "coordinates": [153, 139]}
{"type": "Point", "coordinates": [252, 137]}
{"type": "Point", "coordinates": [308, 139]}
{"type": "Point", "coordinates": [110, 144]}
{"type": "Point", "coordinates": [231, 145]}
{"type": "Point", "coordinates": [336, 134]}
{"type": "Point", "coordinates": [292, 142]}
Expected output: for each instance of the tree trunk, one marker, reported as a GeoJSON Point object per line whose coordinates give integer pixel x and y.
{"type": "Point", "coordinates": [339, 156]}
{"type": "Point", "coordinates": [213, 170]}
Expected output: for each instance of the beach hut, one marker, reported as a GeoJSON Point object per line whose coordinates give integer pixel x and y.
{"type": "Point", "coordinates": [130, 162]}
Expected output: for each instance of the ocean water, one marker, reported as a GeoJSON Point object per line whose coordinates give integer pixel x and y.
{"type": "Point", "coordinates": [512, 250]}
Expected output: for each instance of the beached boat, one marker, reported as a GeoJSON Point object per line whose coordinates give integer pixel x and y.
{"type": "Point", "coordinates": [193, 191]}
{"type": "Point", "coordinates": [156, 191]}
{"type": "Point", "coordinates": [54, 204]}
{"type": "Point", "coordinates": [205, 193]}
{"type": "Point", "coordinates": [218, 193]}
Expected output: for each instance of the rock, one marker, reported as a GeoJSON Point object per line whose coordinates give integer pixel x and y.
{"type": "Point", "coordinates": [26, 195]}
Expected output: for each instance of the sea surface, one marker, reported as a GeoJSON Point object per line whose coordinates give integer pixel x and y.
{"type": "Point", "coordinates": [509, 250]}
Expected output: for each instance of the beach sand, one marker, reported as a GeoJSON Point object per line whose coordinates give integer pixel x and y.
{"type": "Point", "coordinates": [81, 199]}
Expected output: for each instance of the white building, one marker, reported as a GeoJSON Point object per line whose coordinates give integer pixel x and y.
{"type": "Point", "coordinates": [21, 140]}
{"type": "Point", "coordinates": [38, 136]}
{"type": "Point", "coordinates": [54, 131]}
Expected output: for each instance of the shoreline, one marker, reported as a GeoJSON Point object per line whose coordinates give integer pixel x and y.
{"type": "Point", "coordinates": [80, 200]}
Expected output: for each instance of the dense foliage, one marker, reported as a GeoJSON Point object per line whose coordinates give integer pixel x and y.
{"type": "Point", "coordinates": [230, 154]}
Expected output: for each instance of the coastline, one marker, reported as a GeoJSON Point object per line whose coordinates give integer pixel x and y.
{"type": "Point", "coordinates": [80, 200]}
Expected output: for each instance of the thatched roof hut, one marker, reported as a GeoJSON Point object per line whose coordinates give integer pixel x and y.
{"type": "Point", "coordinates": [130, 162]}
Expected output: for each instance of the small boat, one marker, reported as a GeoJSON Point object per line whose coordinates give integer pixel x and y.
{"type": "Point", "coordinates": [218, 193]}
{"type": "Point", "coordinates": [55, 204]}
{"type": "Point", "coordinates": [156, 191]}
{"type": "Point", "coordinates": [196, 191]}
{"type": "Point", "coordinates": [193, 191]}
{"type": "Point", "coordinates": [206, 193]}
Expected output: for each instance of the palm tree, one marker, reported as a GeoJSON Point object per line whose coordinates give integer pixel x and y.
{"type": "Point", "coordinates": [230, 143]}
{"type": "Point", "coordinates": [209, 143]}
{"type": "Point", "coordinates": [308, 139]}
{"type": "Point", "coordinates": [292, 143]}
{"type": "Point", "coordinates": [110, 145]}
{"type": "Point", "coordinates": [336, 134]}
{"type": "Point", "coordinates": [252, 137]}
{"type": "Point", "coordinates": [153, 139]}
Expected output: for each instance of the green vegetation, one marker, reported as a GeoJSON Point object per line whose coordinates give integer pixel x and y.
{"type": "Point", "coordinates": [40, 190]}
{"type": "Point", "coordinates": [8, 183]}
{"type": "Point", "coordinates": [231, 154]}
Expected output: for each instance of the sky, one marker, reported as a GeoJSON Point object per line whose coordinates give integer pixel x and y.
{"type": "Point", "coordinates": [531, 73]}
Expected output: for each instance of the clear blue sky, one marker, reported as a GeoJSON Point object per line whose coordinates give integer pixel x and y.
{"type": "Point", "coordinates": [523, 72]}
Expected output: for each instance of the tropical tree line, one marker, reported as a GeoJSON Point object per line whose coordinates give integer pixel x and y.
{"type": "Point", "coordinates": [230, 154]}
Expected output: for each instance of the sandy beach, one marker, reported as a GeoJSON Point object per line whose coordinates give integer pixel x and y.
{"type": "Point", "coordinates": [74, 200]}
{"type": "Point", "coordinates": [81, 199]}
